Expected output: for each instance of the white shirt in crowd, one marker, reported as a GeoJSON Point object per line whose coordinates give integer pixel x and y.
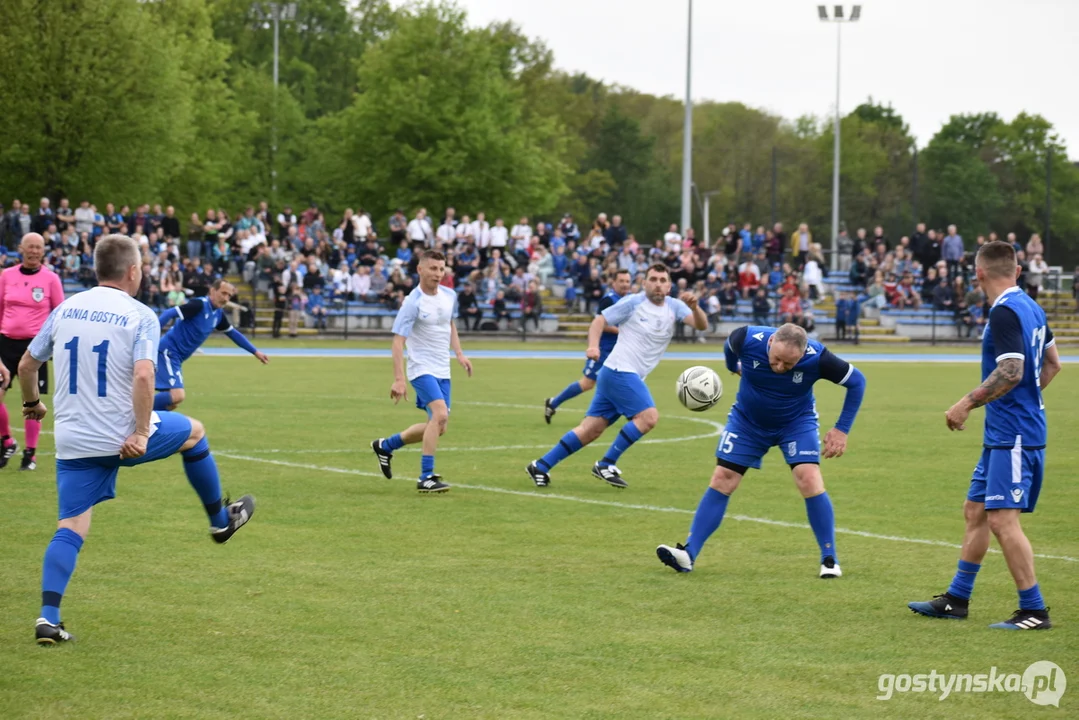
{"type": "Point", "coordinates": [251, 241]}
{"type": "Point", "coordinates": [361, 226]}
{"type": "Point", "coordinates": [446, 234]}
{"type": "Point", "coordinates": [481, 233]}
{"type": "Point", "coordinates": [522, 235]}
{"type": "Point", "coordinates": [812, 274]}
{"type": "Point", "coordinates": [84, 219]}
{"type": "Point", "coordinates": [424, 320]}
{"type": "Point", "coordinates": [499, 236]}
{"type": "Point", "coordinates": [464, 233]}
{"type": "Point", "coordinates": [419, 230]}
{"type": "Point", "coordinates": [644, 331]}
{"type": "Point", "coordinates": [673, 242]}
{"type": "Point", "coordinates": [284, 220]}
{"type": "Point", "coordinates": [342, 283]}
{"type": "Point", "coordinates": [361, 284]}
{"type": "Point", "coordinates": [106, 327]}
{"type": "Point", "coordinates": [749, 267]}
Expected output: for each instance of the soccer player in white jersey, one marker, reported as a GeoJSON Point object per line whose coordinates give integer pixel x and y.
{"type": "Point", "coordinates": [425, 328]}
{"type": "Point", "coordinates": [103, 344]}
{"type": "Point", "coordinates": [646, 324]}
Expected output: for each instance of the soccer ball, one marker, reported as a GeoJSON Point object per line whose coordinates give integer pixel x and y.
{"type": "Point", "coordinates": [699, 388]}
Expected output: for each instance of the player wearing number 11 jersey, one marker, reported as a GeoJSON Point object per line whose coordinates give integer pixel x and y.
{"type": "Point", "coordinates": [1019, 359]}
{"type": "Point", "coordinates": [104, 345]}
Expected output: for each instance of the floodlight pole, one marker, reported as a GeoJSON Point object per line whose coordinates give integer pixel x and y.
{"type": "Point", "coordinates": [687, 130]}
{"type": "Point", "coordinates": [838, 18]}
{"type": "Point", "coordinates": [835, 157]}
{"type": "Point", "coordinates": [276, 10]}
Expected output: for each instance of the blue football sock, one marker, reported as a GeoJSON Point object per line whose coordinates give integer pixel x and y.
{"type": "Point", "coordinates": [963, 583]}
{"type": "Point", "coordinates": [628, 435]}
{"type": "Point", "coordinates": [393, 443]}
{"type": "Point", "coordinates": [162, 400]}
{"type": "Point", "coordinates": [822, 520]}
{"type": "Point", "coordinates": [1031, 598]}
{"type": "Point", "coordinates": [706, 520]}
{"type": "Point", "coordinates": [427, 465]}
{"type": "Point", "coordinates": [201, 470]}
{"type": "Point", "coordinates": [59, 563]}
{"type": "Point", "coordinates": [572, 390]}
{"type": "Point", "coordinates": [568, 445]}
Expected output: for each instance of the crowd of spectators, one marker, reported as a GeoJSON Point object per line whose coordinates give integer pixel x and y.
{"type": "Point", "coordinates": [305, 264]}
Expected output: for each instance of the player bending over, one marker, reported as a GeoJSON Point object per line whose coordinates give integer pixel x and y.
{"type": "Point", "coordinates": [775, 407]}
{"type": "Point", "coordinates": [425, 328]}
{"type": "Point", "coordinates": [646, 325]}
{"type": "Point", "coordinates": [619, 287]}
{"type": "Point", "coordinates": [195, 321]}
{"type": "Point", "coordinates": [1019, 360]}
{"type": "Point", "coordinates": [105, 343]}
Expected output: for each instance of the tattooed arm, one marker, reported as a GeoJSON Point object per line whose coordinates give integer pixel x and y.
{"type": "Point", "coordinates": [1008, 343]}
{"type": "Point", "coordinates": [1006, 375]}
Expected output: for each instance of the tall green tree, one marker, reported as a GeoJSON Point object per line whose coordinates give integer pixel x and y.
{"type": "Point", "coordinates": [318, 48]}
{"type": "Point", "coordinates": [438, 123]}
{"type": "Point", "coordinates": [94, 99]}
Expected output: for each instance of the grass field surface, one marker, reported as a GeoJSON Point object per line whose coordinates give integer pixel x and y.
{"type": "Point", "coordinates": [351, 596]}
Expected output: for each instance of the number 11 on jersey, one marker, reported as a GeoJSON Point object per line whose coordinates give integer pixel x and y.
{"type": "Point", "coordinates": [102, 351]}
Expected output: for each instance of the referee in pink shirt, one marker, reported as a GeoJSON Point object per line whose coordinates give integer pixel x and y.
{"type": "Point", "coordinates": [28, 293]}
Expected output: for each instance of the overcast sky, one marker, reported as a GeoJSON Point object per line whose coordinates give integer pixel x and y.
{"type": "Point", "coordinates": [929, 59]}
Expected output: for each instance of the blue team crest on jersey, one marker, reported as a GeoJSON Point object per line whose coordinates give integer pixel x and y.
{"type": "Point", "coordinates": [792, 448]}
{"type": "Point", "coordinates": [797, 377]}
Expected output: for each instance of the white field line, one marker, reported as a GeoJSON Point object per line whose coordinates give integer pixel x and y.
{"type": "Point", "coordinates": [624, 506]}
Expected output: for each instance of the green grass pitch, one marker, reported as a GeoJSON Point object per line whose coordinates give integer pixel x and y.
{"type": "Point", "coordinates": [350, 596]}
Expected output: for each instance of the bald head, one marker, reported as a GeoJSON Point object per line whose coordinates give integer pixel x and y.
{"type": "Point", "coordinates": [786, 347]}
{"type": "Point", "coordinates": [32, 249]}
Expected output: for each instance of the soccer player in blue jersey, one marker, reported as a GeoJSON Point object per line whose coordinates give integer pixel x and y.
{"type": "Point", "coordinates": [195, 321]}
{"type": "Point", "coordinates": [103, 344]}
{"type": "Point", "coordinates": [775, 408]}
{"type": "Point", "coordinates": [646, 324]}
{"type": "Point", "coordinates": [1019, 360]}
{"type": "Point", "coordinates": [425, 328]}
{"type": "Point", "coordinates": [618, 289]}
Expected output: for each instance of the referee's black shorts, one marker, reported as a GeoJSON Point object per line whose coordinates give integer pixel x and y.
{"type": "Point", "coordinates": [11, 352]}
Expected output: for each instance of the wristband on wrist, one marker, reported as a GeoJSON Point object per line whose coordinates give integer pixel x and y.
{"type": "Point", "coordinates": [35, 403]}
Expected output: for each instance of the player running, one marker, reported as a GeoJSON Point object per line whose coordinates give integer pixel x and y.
{"type": "Point", "coordinates": [195, 321]}
{"type": "Point", "coordinates": [775, 407]}
{"type": "Point", "coordinates": [425, 328]}
{"type": "Point", "coordinates": [28, 293]}
{"type": "Point", "coordinates": [619, 287]}
{"type": "Point", "coordinates": [646, 325]}
{"type": "Point", "coordinates": [105, 344]}
{"type": "Point", "coordinates": [1019, 360]}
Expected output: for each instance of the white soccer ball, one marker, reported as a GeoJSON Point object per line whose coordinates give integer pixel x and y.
{"type": "Point", "coordinates": [699, 388]}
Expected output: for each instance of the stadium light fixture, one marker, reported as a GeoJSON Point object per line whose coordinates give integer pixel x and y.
{"type": "Point", "coordinates": [269, 14]}
{"type": "Point", "coordinates": [687, 130]}
{"type": "Point", "coordinates": [838, 17]}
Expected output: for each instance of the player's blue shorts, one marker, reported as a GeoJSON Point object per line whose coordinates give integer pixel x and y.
{"type": "Point", "coordinates": [592, 367]}
{"type": "Point", "coordinates": [428, 389]}
{"type": "Point", "coordinates": [1008, 478]}
{"type": "Point", "coordinates": [744, 443]}
{"type": "Point", "coordinates": [83, 483]}
{"type": "Point", "coordinates": [169, 373]}
{"type": "Point", "coordinates": [619, 394]}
